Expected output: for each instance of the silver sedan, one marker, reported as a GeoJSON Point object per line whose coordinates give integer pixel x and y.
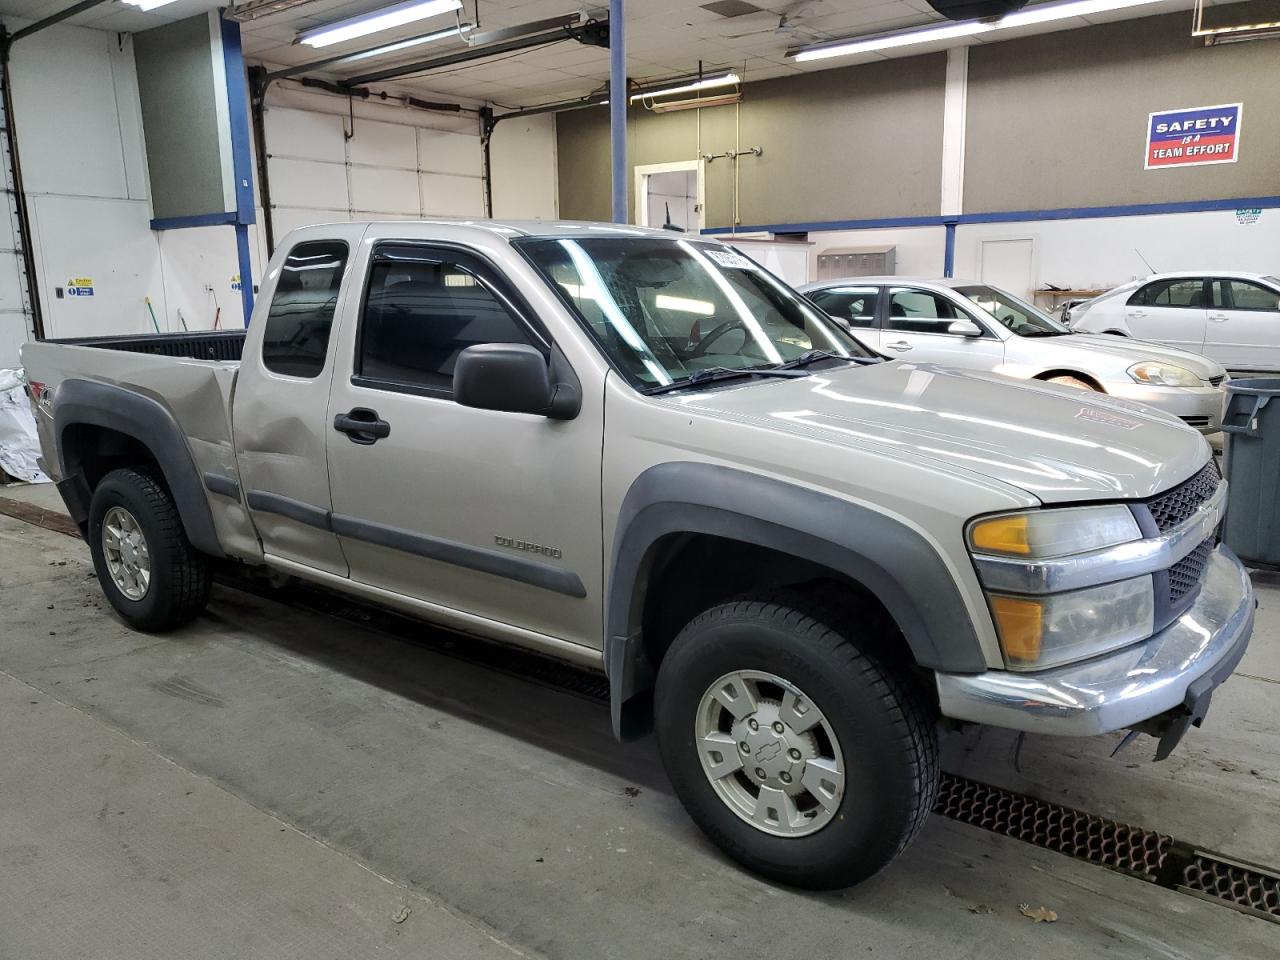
{"type": "Point", "coordinates": [965, 323]}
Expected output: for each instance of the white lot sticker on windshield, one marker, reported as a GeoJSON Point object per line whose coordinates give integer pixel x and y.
{"type": "Point", "coordinates": [728, 258]}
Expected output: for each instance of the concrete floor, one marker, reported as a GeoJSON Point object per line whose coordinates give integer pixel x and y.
{"type": "Point", "coordinates": [273, 783]}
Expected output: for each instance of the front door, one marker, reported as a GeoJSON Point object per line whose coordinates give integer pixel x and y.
{"type": "Point", "coordinates": [1169, 311]}
{"type": "Point", "coordinates": [916, 328]}
{"type": "Point", "coordinates": [483, 513]}
{"type": "Point", "coordinates": [1243, 332]}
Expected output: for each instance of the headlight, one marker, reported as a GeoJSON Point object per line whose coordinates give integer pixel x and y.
{"type": "Point", "coordinates": [1157, 374]}
{"type": "Point", "coordinates": [1049, 628]}
{"type": "Point", "coordinates": [1040, 534]}
{"type": "Point", "coordinates": [1040, 632]}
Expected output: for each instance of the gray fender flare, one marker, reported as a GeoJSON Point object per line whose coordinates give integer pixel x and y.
{"type": "Point", "coordinates": [894, 562]}
{"type": "Point", "coordinates": [137, 416]}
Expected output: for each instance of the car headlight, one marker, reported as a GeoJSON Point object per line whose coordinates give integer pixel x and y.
{"type": "Point", "coordinates": [1040, 534]}
{"type": "Point", "coordinates": [1049, 629]}
{"type": "Point", "coordinates": [1157, 374]}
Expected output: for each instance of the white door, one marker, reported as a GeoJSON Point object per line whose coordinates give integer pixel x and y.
{"type": "Point", "coordinates": [1243, 332]}
{"type": "Point", "coordinates": [916, 328]}
{"type": "Point", "coordinates": [670, 194]}
{"type": "Point", "coordinates": [1009, 265]}
{"type": "Point", "coordinates": [1170, 311]}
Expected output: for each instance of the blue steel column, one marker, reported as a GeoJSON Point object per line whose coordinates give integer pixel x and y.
{"type": "Point", "coordinates": [241, 157]}
{"type": "Point", "coordinates": [618, 108]}
{"type": "Point", "coordinates": [949, 251]}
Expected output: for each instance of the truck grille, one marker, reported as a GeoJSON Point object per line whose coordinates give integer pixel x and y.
{"type": "Point", "coordinates": [1168, 510]}
{"type": "Point", "coordinates": [1184, 576]}
{"type": "Point", "coordinates": [1216, 381]}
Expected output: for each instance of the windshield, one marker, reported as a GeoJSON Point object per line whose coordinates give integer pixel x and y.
{"type": "Point", "coordinates": [1016, 315]}
{"type": "Point", "coordinates": [662, 309]}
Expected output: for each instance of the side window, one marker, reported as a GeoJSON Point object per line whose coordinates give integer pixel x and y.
{"type": "Point", "coordinates": [419, 314]}
{"type": "Point", "coordinates": [1249, 296]}
{"type": "Point", "coordinates": [1171, 293]}
{"type": "Point", "coordinates": [856, 305]}
{"type": "Point", "coordinates": [918, 311]}
{"type": "Point", "coordinates": [296, 338]}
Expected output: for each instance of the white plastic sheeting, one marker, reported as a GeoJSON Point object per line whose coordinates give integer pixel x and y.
{"type": "Point", "coordinates": [19, 444]}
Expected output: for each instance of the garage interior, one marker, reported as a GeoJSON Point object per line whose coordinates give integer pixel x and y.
{"type": "Point", "coordinates": [300, 772]}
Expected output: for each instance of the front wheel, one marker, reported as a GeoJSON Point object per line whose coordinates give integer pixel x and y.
{"type": "Point", "coordinates": [148, 569]}
{"type": "Point", "coordinates": [799, 753]}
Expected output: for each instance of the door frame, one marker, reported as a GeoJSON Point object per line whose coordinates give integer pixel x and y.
{"type": "Point", "coordinates": [642, 173]}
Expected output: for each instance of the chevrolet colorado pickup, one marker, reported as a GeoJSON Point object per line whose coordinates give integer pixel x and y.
{"type": "Point", "coordinates": [642, 453]}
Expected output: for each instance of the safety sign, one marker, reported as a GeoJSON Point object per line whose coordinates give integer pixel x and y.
{"type": "Point", "coordinates": [1194, 137]}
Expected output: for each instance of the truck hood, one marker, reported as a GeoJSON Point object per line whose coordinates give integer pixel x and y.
{"type": "Point", "coordinates": [1057, 443]}
{"type": "Point", "coordinates": [1127, 352]}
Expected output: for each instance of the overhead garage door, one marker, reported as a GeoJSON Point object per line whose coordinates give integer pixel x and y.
{"type": "Point", "coordinates": [318, 173]}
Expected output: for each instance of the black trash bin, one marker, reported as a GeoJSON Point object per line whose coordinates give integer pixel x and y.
{"type": "Point", "coordinates": [1251, 423]}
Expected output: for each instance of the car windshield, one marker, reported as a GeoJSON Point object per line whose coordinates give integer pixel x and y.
{"type": "Point", "coordinates": [1016, 315]}
{"type": "Point", "coordinates": [664, 310]}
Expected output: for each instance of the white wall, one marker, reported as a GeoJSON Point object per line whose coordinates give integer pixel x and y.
{"type": "Point", "coordinates": [1102, 253]}
{"type": "Point", "coordinates": [522, 156]}
{"type": "Point", "coordinates": [84, 168]}
{"type": "Point", "coordinates": [1097, 253]}
{"type": "Point", "coordinates": [919, 253]}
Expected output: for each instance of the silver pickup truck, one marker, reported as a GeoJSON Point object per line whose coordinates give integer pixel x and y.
{"type": "Point", "coordinates": [642, 453]}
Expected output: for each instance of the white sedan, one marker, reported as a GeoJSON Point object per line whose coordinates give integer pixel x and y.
{"type": "Point", "coordinates": [1228, 316]}
{"type": "Point", "coordinates": [964, 323]}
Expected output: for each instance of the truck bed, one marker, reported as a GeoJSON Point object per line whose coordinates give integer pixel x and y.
{"type": "Point", "coordinates": [198, 345]}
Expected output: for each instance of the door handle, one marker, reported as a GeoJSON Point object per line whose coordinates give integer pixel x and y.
{"type": "Point", "coordinates": [1219, 317]}
{"type": "Point", "coordinates": [900, 345]}
{"type": "Point", "coordinates": [362, 425]}
{"type": "Point", "coordinates": [1137, 313]}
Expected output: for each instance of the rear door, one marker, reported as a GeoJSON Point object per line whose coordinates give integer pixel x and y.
{"type": "Point", "coordinates": [1243, 331]}
{"type": "Point", "coordinates": [915, 328]}
{"type": "Point", "coordinates": [1172, 311]}
{"type": "Point", "coordinates": [282, 391]}
{"type": "Point", "coordinates": [855, 304]}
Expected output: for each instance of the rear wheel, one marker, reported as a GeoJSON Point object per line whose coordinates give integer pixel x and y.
{"type": "Point", "coordinates": [799, 753]}
{"type": "Point", "coordinates": [148, 569]}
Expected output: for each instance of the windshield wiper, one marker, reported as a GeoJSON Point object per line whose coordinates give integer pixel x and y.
{"type": "Point", "coordinates": [811, 356]}
{"type": "Point", "coordinates": [1046, 333]}
{"type": "Point", "coordinates": [716, 374]}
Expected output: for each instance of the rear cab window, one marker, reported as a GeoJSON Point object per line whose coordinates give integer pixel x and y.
{"type": "Point", "coordinates": [295, 341]}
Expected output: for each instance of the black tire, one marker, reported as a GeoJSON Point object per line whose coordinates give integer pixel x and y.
{"type": "Point", "coordinates": [180, 577]}
{"type": "Point", "coordinates": [886, 729]}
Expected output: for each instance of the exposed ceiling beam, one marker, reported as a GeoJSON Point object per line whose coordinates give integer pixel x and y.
{"type": "Point", "coordinates": [53, 18]}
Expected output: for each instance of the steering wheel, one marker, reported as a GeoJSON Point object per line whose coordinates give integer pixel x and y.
{"type": "Point", "coordinates": [716, 332]}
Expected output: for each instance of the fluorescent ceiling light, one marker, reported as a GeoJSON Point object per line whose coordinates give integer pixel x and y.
{"type": "Point", "coordinates": [145, 5]}
{"type": "Point", "coordinates": [1046, 13]}
{"type": "Point", "coordinates": [720, 80]}
{"type": "Point", "coordinates": [406, 44]}
{"type": "Point", "coordinates": [385, 19]}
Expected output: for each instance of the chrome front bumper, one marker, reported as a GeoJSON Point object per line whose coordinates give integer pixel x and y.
{"type": "Point", "coordinates": [1177, 667]}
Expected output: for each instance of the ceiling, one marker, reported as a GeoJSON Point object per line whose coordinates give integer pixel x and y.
{"type": "Point", "coordinates": [665, 38]}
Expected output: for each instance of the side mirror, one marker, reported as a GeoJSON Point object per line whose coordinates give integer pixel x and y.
{"type": "Point", "coordinates": [964, 328]}
{"type": "Point", "coordinates": [512, 377]}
